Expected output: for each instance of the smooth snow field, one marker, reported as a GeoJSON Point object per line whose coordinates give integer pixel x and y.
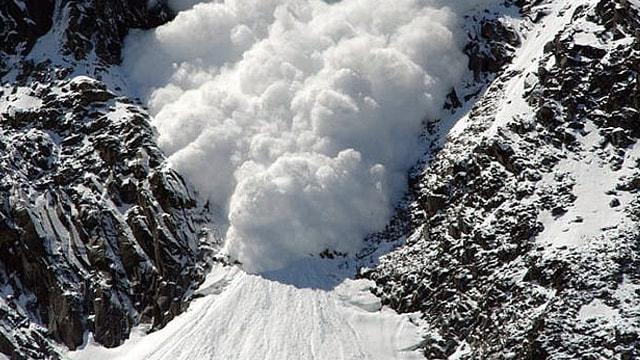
{"type": "Point", "coordinates": [292, 314]}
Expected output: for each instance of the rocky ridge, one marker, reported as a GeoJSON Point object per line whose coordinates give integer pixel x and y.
{"type": "Point", "coordinates": [97, 234]}
{"type": "Point", "coordinates": [521, 228]}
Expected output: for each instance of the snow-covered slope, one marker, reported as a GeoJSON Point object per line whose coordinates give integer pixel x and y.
{"type": "Point", "coordinates": [517, 239]}
{"type": "Point", "coordinates": [308, 311]}
{"type": "Point", "coordinates": [524, 224]}
{"type": "Point", "coordinates": [96, 233]}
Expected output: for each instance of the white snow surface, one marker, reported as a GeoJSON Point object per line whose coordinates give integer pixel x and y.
{"type": "Point", "coordinates": [298, 118]}
{"type": "Point", "coordinates": [597, 309]}
{"type": "Point", "coordinates": [22, 100]}
{"type": "Point", "coordinates": [294, 314]}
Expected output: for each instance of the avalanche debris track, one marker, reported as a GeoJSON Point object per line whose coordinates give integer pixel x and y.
{"type": "Point", "coordinates": [243, 316]}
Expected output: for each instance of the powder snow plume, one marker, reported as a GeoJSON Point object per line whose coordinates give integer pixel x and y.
{"type": "Point", "coordinates": [299, 118]}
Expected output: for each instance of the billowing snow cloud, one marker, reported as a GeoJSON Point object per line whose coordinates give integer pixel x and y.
{"type": "Point", "coordinates": [299, 117]}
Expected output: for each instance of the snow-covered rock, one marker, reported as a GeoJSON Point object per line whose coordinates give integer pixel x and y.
{"type": "Point", "coordinates": [524, 223]}
{"type": "Point", "coordinates": [97, 234]}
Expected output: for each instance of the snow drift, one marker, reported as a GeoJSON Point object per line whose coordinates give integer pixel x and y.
{"type": "Point", "coordinates": [299, 118]}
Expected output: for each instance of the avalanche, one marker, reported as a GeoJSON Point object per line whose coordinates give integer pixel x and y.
{"type": "Point", "coordinates": [298, 118]}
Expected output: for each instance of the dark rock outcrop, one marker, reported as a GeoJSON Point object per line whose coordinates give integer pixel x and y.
{"type": "Point", "coordinates": [490, 280]}
{"type": "Point", "coordinates": [97, 234]}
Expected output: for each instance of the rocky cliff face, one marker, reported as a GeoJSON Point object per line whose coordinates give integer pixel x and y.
{"type": "Point", "coordinates": [82, 32]}
{"type": "Point", "coordinates": [521, 228]}
{"type": "Point", "coordinates": [96, 233]}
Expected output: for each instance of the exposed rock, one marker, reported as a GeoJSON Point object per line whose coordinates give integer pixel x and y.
{"type": "Point", "coordinates": [495, 267]}
{"type": "Point", "coordinates": [94, 228]}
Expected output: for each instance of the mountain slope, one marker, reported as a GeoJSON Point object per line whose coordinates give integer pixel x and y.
{"type": "Point", "coordinates": [96, 233]}
{"type": "Point", "coordinates": [517, 239]}
{"type": "Point", "coordinates": [311, 310]}
{"type": "Point", "coordinates": [524, 224]}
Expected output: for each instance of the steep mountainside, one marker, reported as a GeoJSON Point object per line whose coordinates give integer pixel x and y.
{"type": "Point", "coordinates": [96, 233]}
{"type": "Point", "coordinates": [518, 237]}
{"type": "Point", "coordinates": [522, 235]}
